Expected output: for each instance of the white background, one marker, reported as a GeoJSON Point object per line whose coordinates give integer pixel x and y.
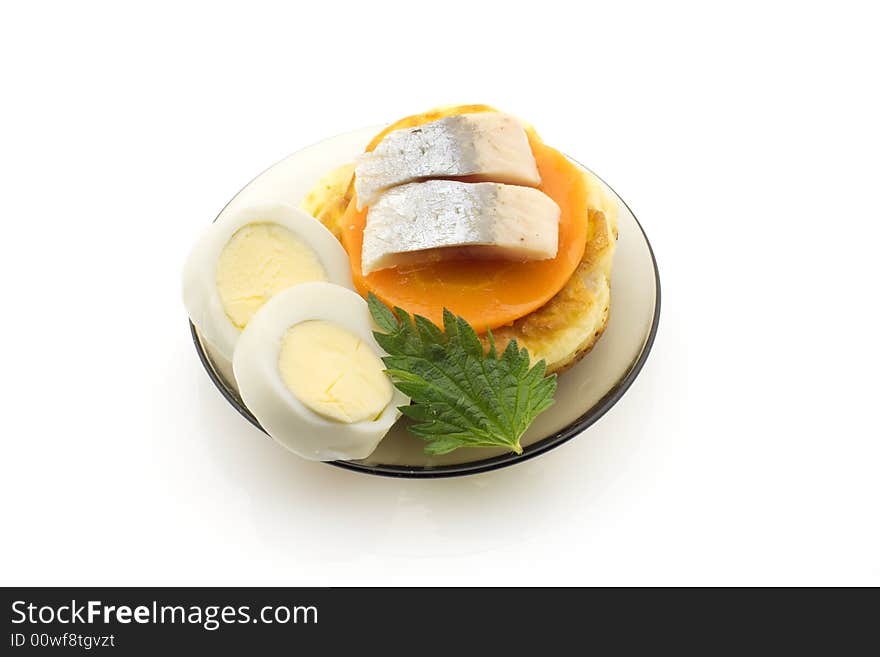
{"type": "Point", "coordinates": [744, 138]}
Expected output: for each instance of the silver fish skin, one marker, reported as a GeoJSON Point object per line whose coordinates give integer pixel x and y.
{"type": "Point", "coordinates": [423, 222]}
{"type": "Point", "coordinates": [489, 144]}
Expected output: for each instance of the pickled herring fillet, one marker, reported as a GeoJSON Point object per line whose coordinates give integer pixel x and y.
{"type": "Point", "coordinates": [491, 145]}
{"type": "Point", "coordinates": [440, 219]}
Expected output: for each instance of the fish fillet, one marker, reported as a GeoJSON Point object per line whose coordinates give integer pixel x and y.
{"type": "Point", "coordinates": [487, 144]}
{"type": "Point", "coordinates": [421, 222]}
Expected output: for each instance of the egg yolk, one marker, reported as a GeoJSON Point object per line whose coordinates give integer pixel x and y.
{"type": "Point", "coordinates": [333, 373]}
{"type": "Point", "coordinates": [260, 260]}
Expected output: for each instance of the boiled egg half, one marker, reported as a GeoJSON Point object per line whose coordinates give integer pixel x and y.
{"type": "Point", "coordinates": [247, 257]}
{"type": "Point", "coordinates": [309, 369]}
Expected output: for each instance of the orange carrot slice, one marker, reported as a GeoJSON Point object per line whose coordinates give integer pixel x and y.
{"type": "Point", "coordinates": [487, 293]}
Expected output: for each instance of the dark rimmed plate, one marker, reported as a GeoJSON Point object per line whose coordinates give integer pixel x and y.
{"type": "Point", "coordinates": [585, 392]}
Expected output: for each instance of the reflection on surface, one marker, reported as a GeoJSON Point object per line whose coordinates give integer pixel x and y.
{"type": "Point", "coordinates": [299, 506]}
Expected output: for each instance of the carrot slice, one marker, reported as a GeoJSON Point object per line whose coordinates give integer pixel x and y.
{"type": "Point", "coordinates": [487, 293]}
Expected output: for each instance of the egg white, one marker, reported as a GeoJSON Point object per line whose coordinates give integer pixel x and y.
{"type": "Point", "coordinates": [200, 294]}
{"type": "Point", "coordinates": [280, 413]}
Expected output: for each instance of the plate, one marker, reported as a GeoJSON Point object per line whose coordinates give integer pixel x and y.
{"type": "Point", "coordinates": [585, 392]}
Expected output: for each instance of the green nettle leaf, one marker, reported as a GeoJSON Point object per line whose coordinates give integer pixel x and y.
{"type": "Point", "coordinates": [461, 396]}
